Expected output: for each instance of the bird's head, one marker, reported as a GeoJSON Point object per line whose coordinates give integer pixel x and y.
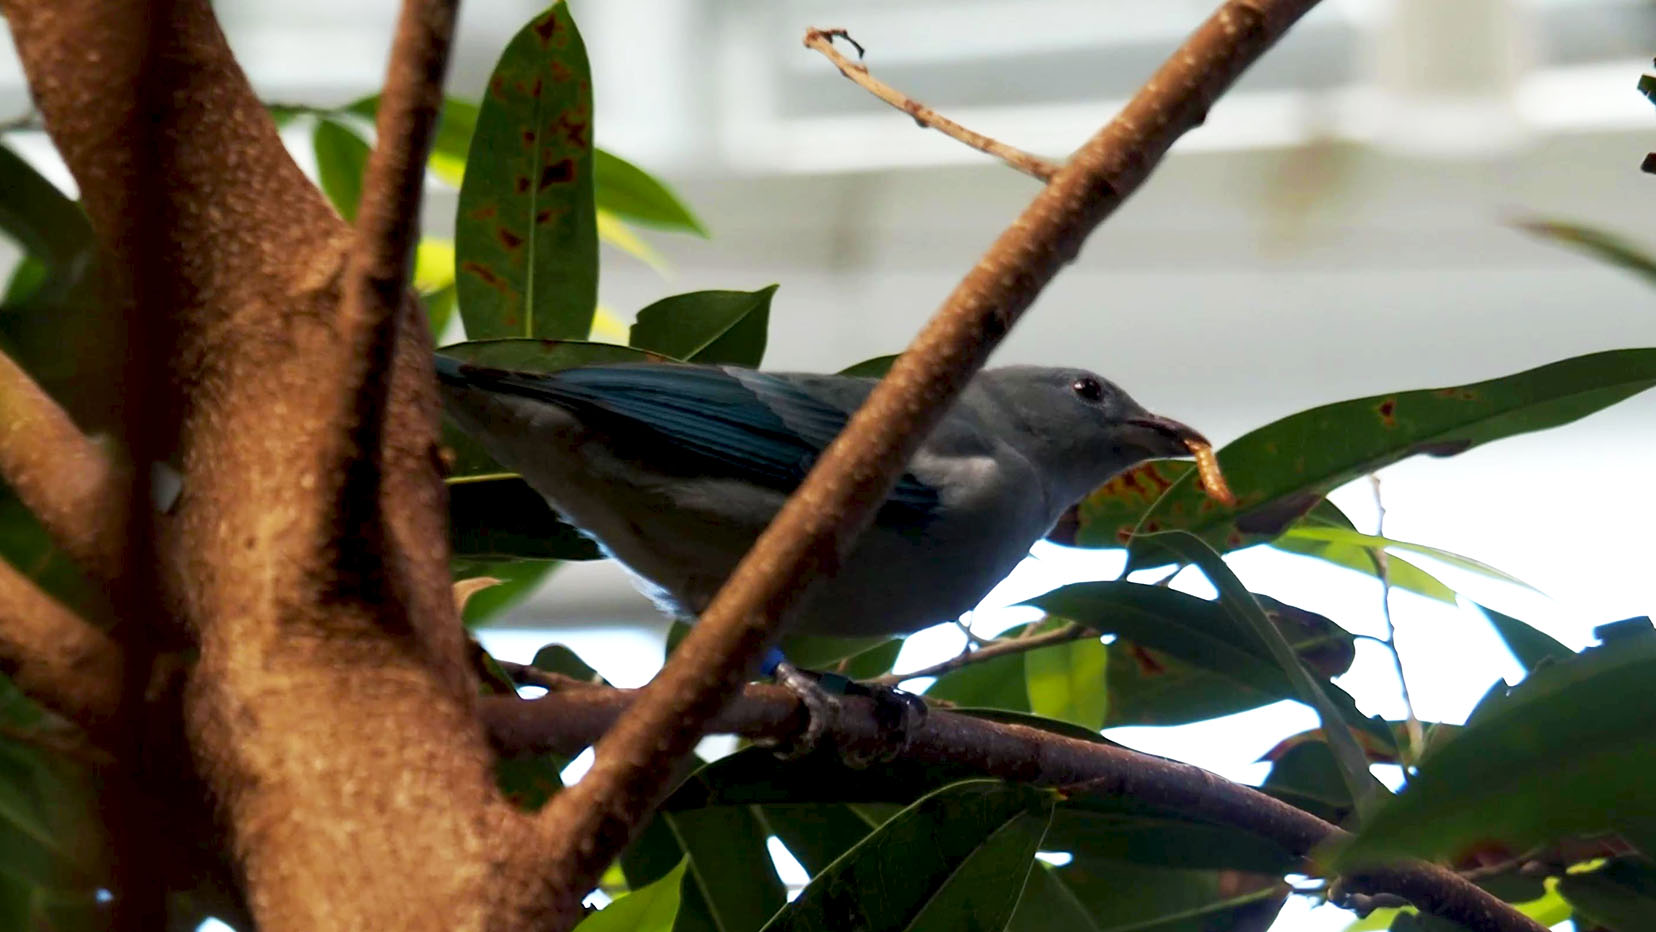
{"type": "Point", "coordinates": [1077, 427]}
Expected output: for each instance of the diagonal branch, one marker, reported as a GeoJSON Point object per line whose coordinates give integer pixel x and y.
{"type": "Point", "coordinates": [55, 657]}
{"type": "Point", "coordinates": [574, 717]}
{"type": "Point", "coordinates": [60, 475]}
{"type": "Point", "coordinates": [1000, 647]}
{"type": "Point", "coordinates": [823, 41]}
{"type": "Point", "coordinates": [585, 826]}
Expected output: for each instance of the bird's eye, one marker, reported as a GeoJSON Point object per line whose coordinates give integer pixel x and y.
{"type": "Point", "coordinates": [1088, 389]}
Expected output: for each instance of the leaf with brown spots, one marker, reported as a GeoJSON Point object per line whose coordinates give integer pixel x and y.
{"type": "Point", "coordinates": [526, 235]}
{"type": "Point", "coordinates": [1282, 470]}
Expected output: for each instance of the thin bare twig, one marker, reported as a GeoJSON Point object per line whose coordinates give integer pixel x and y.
{"type": "Point", "coordinates": [584, 827]}
{"type": "Point", "coordinates": [823, 41]}
{"type": "Point", "coordinates": [1000, 647]}
{"type": "Point", "coordinates": [566, 722]}
{"type": "Point", "coordinates": [1382, 565]}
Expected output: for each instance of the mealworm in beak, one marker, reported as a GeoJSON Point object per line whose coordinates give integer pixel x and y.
{"type": "Point", "coordinates": [1207, 470]}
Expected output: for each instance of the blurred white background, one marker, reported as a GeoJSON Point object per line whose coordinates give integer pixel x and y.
{"type": "Point", "coordinates": [1340, 227]}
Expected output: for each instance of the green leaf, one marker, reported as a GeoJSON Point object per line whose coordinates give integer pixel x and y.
{"type": "Point", "coordinates": [726, 327]}
{"type": "Point", "coordinates": [1369, 541]}
{"type": "Point", "coordinates": [632, 193]}
{"type": "Point", "coordinates": [1619, 895]}
{"type": "Point", "coordinates": [341, 161]}
{"type": "Point", "coordinates": [1195, 631]}
{"type": "Point", "coordinates": [730, 865]}
{"type": "Point", "coordinates": [1529, 645]}
{"type": "Point", "coordinates": [956, 859]}
{"type": "Point", "coordinates": [1250, 618]}
{"type": "Point", "coordinates": [1403, 574]}
{"type": "Point", "coordinates": [528, 782]}
{"type": "Point", "coordinates": [1066, 681]}
{"type": "Point", "coordinates": [816, 834]}
{"type": "Point", "coordinates": [875, 368]}
{"type": "Point", "coordinates": [518, 578]}
{"type": "Point", "coordinates": [455, 126]}
{"type": "Point", "coordinates": [1117, 896]}
{"type": "Point", "coordinates": [525, 235]}
{"type": "Point", "coordinates": [1604, 246]}
{"type": "Point", "coordinates": [1280, 471]}
{"type": "Point", "coordinates": [1135, 832]}
{"type": "Point", "coordinates": [1307, 777]}
{"type": "Point", "coordinates": [46, 224]}
{"type": "Point", "coordinates": [1566, 751]}
{"type": "Point", "coordinates": [652, 908]}
{"type": "Point", "coordinates": [556, 658]}
{"type": "Point", "coordinates": [1647, 87]}
{"type": "Point", "coordinates": [815, 652]}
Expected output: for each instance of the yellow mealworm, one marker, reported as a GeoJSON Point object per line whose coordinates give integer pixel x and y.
{"type": "Point", "coordinates": [1207, 470]}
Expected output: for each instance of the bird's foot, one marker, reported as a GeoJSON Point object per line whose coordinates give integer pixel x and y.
{"type": "Point", "coordinates": [897, 714]}
{"type": "Point", "coordinates": [821, 707]}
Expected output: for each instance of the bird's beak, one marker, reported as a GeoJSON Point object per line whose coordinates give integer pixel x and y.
{"type": "Point", "coordinates": [1161, 436]}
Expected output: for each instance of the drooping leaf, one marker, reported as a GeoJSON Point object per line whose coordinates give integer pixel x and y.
{"type": "Point", "coordinates": [1198, 632]}
{"type": "Point", "coordinates": [1353, 538]}
{"type": "Point", "coordinates": [1566, 751]}
{"type": "Point", "coordinates": [875, 368]}
{"type": "Point", "coordinates": [726, 327]}
{"type": "Point", "coordinates": [1600, 244]}
{"type": "Point", "coordinates": [956, 859]}
{"type": "Point", "coordinates": [1249, 618]}
{"type": "Point", "coordinates": [632, 193]}
{"type": "Point", "coordinates": [1402, 574]}
{"type": "Point", "coordinates": [341, 161]}
{"type": "Point", "coordinates": [526, 236]}
{"type": "Point", "coordinates": [556, 658]}
{"type": "Point", "coordinates": [1530, 645]}
{"type": "Point", "coordinates": [652, 908]}
{"type": "Point", "coordinates": [1066, 681]}
{"type": "Point", "coordinates": [1280, 471]}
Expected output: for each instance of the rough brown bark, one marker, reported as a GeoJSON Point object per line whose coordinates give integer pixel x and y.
{"type": "Point", "coordinates": [374, 819]}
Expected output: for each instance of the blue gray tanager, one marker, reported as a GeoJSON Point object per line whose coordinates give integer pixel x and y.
{"type": "Point", "coordinates": [675, 469]}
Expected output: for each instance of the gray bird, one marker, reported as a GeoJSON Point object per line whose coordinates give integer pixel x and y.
{"type": "Point", "coordinates": [675, 469]}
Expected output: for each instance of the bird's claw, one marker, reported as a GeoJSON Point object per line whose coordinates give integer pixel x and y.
{"type": "Point", "coordinates": [821, 707]}
{"type": "Point", "coordinates": [897, 714]}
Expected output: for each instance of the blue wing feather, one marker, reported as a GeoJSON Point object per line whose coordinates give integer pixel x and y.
{"type": "Point", "coordinates": [751, 425]}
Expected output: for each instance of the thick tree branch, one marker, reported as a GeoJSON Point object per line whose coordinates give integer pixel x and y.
{"type": "Point", "coordinates": [587, 825]}
{"type": "Point", "coordinates": [823, 41]}
{"type": "Point", "coordinates": [572, 718]}
{"type": "Point", "coordinates": [60, 475]}
{"type": "Point", "coordinates": [55, 657]}
{"type": "Point", "coordinates": [388, 816]}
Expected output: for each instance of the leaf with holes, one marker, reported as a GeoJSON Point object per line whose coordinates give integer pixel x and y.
{"type": "Point", "coordinates": [526, 233]}
{"type": "Point", "coordinates": [1282, 470]}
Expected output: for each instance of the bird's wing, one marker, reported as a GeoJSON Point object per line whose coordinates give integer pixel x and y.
{"type": "Point", "coordinates": [754, 426]}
